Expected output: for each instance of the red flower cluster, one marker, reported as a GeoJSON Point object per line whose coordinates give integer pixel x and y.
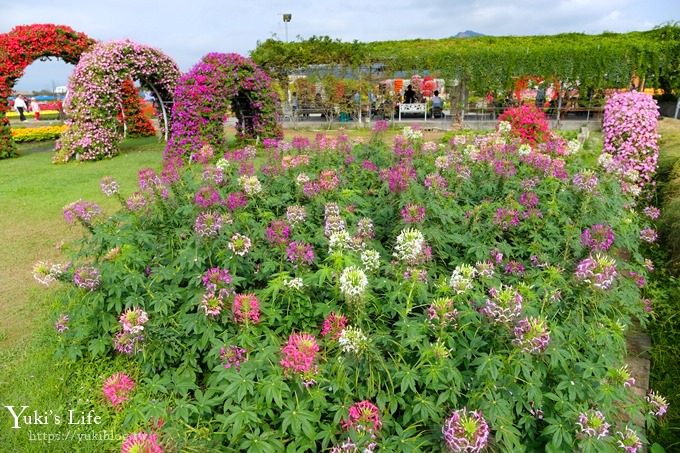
{"type": "Point", "coordinates": [138, 125]}
{"type": "Point", "coordinates": [528, 122]}
{"type": "Point", "coordinates": [22, 46]}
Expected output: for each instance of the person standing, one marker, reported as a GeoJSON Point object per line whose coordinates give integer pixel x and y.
{"type": "Point", "coordinates": [35, 108]}
{"type": "Point", "coordinates": [20, 106]}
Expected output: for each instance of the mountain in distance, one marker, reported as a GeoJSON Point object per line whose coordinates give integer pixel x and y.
{"type": "Point", "coordinates": [468, 34]}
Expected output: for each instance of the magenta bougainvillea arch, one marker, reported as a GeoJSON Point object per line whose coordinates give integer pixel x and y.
{"type": "Point", "coordinates": [96, 95]}
{"type": "Point", "coordinates": [205, 93]}
{"type": "Point", "coordinates": [22, 46]}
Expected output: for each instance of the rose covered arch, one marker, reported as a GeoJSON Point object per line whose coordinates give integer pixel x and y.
{"type": "Point", "coordinates": [205, 93]}
{"type": "Point", "coordinates": [95, 89]}
{"type": "Point", "coordinates": [19, 48]}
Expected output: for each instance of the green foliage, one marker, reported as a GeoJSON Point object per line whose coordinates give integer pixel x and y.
{"type": "Point", "coordinates": [490, 63]}
{"type": "Point", "coordinates": [415, 367]}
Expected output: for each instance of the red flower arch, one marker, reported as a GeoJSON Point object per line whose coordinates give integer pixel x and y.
{"type": "Point", "coordinates": [22, 46]}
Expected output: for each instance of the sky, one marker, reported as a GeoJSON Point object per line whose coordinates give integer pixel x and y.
{"type": "Point", "coordinates": [187, 30]}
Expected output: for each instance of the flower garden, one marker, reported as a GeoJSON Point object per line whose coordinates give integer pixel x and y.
{"type": "Point", "coordinates": [472, 294]}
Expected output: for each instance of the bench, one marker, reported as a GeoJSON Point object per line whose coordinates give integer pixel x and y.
{"type": "Point", "coordinates": [420, 108]}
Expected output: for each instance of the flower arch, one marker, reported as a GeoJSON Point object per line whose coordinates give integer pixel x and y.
{"type": "Point", "coordinates": [96, 95]}
{"type": "Point", "coordinates": [20, 47]}
{"type": "Point", "coordinates": [203, 95]}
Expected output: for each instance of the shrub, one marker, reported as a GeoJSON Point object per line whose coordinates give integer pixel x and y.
{"type": "Point", "coordinates": [298, 307]}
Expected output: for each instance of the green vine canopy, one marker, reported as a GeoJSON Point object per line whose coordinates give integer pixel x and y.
{"type": "Point", "coordinates": [608, 60]}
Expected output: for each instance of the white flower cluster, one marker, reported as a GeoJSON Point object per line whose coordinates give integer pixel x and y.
{"type": "Point", "coordinates": [573, 146]}
{"type": "Point", "coordinates": [46, 273]}
{"type": "Point", "coordinates": [461, 278]}
{"type": "Point", "coordinates": [223, 164]}
{"type": "Point", "coordinates": [294, 283]}
{"type": "Point", "coordinates": [250, 184]}
{"type": "Point", "coordinates": [239, 244]}
{"type": "Point", "coordinates": [412, 134]}
{"type": "Point", "coordinates": [339, 240]}
{"type": "Point", "coordinates": [370, 259]}
{"type": "Point", "coordinates": [353, 283]}
{"type": "Point", "coordinates": [524, 149]}
{"type": "Point", "coordinates": [301, 179]}
{"type": "Point", "coordinates": [504, 127]}
{"type": "Point", "coordinates": [409, 245]}
{"type": "Point", "coordinates": [352, 339]}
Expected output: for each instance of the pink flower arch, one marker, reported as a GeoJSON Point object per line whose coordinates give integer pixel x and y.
{"type": "Point", "coordinates": [95, 89]}
{"type": "Point", "coordinates": [204, 94]}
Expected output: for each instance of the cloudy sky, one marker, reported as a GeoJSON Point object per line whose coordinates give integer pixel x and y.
{"type": "Point", "coordinates": [187, 30]}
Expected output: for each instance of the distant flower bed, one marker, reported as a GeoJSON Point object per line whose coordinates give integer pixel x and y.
{"type": "Point", "coordinates": [44, 115]}
{"type": "Point", "coordinates": [37, 134]}
{"type": "Point", "coordinates": [348, 297]}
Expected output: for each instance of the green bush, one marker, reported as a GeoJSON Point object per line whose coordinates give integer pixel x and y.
{"type": "Point", "coordinates": [421, 281]}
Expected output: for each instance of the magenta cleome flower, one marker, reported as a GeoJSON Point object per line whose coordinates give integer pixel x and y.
{"type": "Point", "coordinates": [213, 301]}
{"type": "Point", "coordinates": [299, 252]}
{"type": "Point", "coordinates": [658, 406]}
{"type": "Point", "coordinates": [246, 309]}
{"type": "Point", "coordinates": [465, 431]}
{"type": "Point", "coordinates": [333, 325]}
{"type": "Point", "coordinates": [649, 235]}
{"type": "Point", "coordinates": [141, 443]}
{"type": "Point", "coordinates": [82, 211]}
{"type": "Point", "coordinates": [652, 212]}
{"type": "Point", "coordinates": [61, 325]}
{"type": "Point", "coordinates": [207, 197]}
{"type": "Point", "coordinates": [600, 271]}
{"type": "Point", "coordinates": [117, 388]}
{"type": "Point", "coordinates": [629, 441]}
{"type": "Point", "coordinates": [278, 232]}
{"type": "Point", "coordinates": [127, 343]}
{"type": "Point", "coordinates": [216, 278]}
{"type": "Point", "coordinates": [506, 218]}
{"type": "Point", "coordinates": [364, 416]}
{"type": "Point", "coordinates": [299, 354]}
{"type": "Point", "coordinates": [413, 213]}
{"type": "Point", "coordinates": [598, 238]}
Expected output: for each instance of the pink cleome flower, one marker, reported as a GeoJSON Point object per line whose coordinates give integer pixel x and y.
{"type": "Point", "coordinates": [465, 431]}
{"type": "Point", "coordinates": [141, 443]}
{"type": "Point", "coordinates": [363, 416]}
{"type": "Point", "coordinates": [246, 308]}
{"type": "Point", "coordinates": [333, 325]}
{"type": "Point", "coordinates": [117, 388]}
{"type": "Point", "coordinates": [299, 354]}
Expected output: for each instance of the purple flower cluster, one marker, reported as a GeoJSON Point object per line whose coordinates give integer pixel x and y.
{"type": "Point", "coordinates": [506, 218]}
{"type": "Point", "coordinates": [132, 325]}
{"type": "Point", "coordinates": [82, 211]}
{"type": "Point", "coordinates": [504, 306]}
{"type": "Point", "coordinates": [278, 232]}
{"type": "Point", "coordinates": [233, 356]}
{"type": "Point", "coordinates": [207, 197]}
{"type": "Point", "coordinates": [630, 136]}
{"type": "Point", "coordinates": [591, 424]}
{"type": "Point", "coordinates": [61, 325]}
{"type": "Point", "coordinates": [236, 200]}
{"type": "Point", "coordinates": [413, 213]}
{"type": "Point", "coordinates": [299, 252]}
{"type": "Point", "coordinates": [465, 431]}
{"type": "Point", "coordinates": [531, 335]}
{"type": "Point", "coordinates": [109, 186]}
{"type": "Point", "coordinates": [208, 224]}
{"type": "Point", "coordinates": [599, 271]}
{"type": "Point", "coordinates": [87, 278]}
{"type": "Point", "coordinates": [399, 176]}
{"type": "Point", "coordinates": [598, 238]}
{"type": "Point", "coordinates": [649, 235]}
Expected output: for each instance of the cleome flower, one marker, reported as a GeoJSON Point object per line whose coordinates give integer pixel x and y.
{"type": "Point", "coordinates": [504, 306]}
{"type": "Point", "coordinates": [233, 356]}
{"type": "Point", "coordinates": [239, 244]}
{"type": "Point", "coordinates": [141, 443]}
{"type": "Point", "coordinates": [409, 245]}
{"type": "Point", "coordinates": [465, 431]}
{"type": "Point", "coordinates": [598, 238]}
{"type": "Point", "coordinates": [591, 424]}
{"type": "Point", "coordinates": [600, 271]}
{"type": "Point", "coordinates": [353, 340]}
{"type": "Point", "coordinates": [333, 326]}
{"type": "Point", "coordinates": [87, 277]}
{"type": "Point", "coordinates": [132, 320]}
{"type": "Point", "coordinates": [462, 278]}
{"type": "Point", "coordinates": [117, 388]}
{"type": "Point", "coordinates": [629, 441]}
{"type": "Point", "coordinates": [441, 312]}
{"type": "Point", "coordinates": [531, 335]}
{"type": "Point", "coordinates": [246, 309]}
{"type": "Point", "coordinates": [364, 416]}
{"type": "Point", "coordinates": [658, 405]}
{"type": "Point", "coordinates": [353, 283]}
{"type": "Point", "coordinates": [298, 356]}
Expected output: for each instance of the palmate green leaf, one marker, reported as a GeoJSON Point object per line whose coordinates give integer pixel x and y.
{"type": "Point", "coordinates": [297, 421]}
{"type": "Point", "coordinates": [274, 388]}
{"type": "Point", "coordinates": [261, 443]}
{"type": "Point", "coordinates": [237, 418]}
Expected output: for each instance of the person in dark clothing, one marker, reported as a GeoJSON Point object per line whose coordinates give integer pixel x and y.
{"type": "Point", "coordinates": [409, 95]}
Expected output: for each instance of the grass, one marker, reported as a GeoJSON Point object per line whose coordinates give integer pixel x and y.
{"type": "Point", "coordinates": [33, 192]}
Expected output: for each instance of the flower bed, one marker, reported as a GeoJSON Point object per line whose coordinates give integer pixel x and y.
{"type": "Point", "coordinates": [416, 297]}
{"type": "Point", "coordinates": [44, 115]}
{"type": "Point", "coordinates": [37, 134]}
